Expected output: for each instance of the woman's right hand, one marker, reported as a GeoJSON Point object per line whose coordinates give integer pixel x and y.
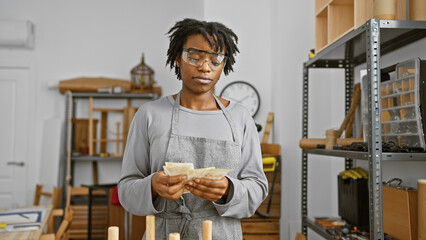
{"type": "Point", "coordinates": [168, 187]}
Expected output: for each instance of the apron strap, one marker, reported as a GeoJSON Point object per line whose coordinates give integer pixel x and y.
{"type": "Point", "coordinates": [175, 117]}
{"type": "Point", "coordinates": [228, 117]}
{"type": "Point", "coordinates": [175, 114]}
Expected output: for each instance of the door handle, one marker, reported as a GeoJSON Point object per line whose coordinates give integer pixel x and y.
{"type": "Point", "coordinates": [21, 164]}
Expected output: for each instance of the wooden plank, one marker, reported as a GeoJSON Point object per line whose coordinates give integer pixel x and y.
{"type": "Point", "coordinates": [128, 114]}
{"type": "Point", "coordinates": [342, 2]}
{"type": "Point", "coordinates": [87, 84]}
{"type": "Point", "coordinates": [91, 136]}
{"type": "Point", "coordinates": [270, 176]}
{"type": "Point", "coordinates": [107, 110]}
{"type": "Point", "coordinates": [272, 149]}
{"type": "Point", "coordinates": [95, 172]}
{"type": "Point", "coordinates": [106, 140]}
{"type": "Point", "coordinates": [155, 89]}
{"type": "Point", "coordinates": [277, 187]}
{"type": "Point", "coordinates": [261, 227]}
{"type": "Point", "coordinates": [320, 5]}
{"type": "Point", "coordinates": [104, 124]}
{"type": "Point", "coordinates": [269, 121]}
{"type": "Point", "coordinates": [274, 211]}
{"type": "Point", "coordinates": [116, 215]}
{"type": "Point", "coordinates": [138, 227]}
{"type": "Point", "coordinates": [321, 30]}
{"type": "Point", "coordinates": [78, 227]}
{"type": "Point", "coordinates": [84, 208]}
{"type": "Point", "coordinates": [276, 199]}
{"type": "Point", "coordinates": [260, 219]}
{"type": "Point", "coordinates": [117, 140]}
{"type": "Point", "coordinates": [401, 10]}
{"type": "Point", "coordinates": [360, 14]}
{"type": "Point", "coordinates": [261, 236]}
{"type": "Point", "coordinates": [340, 20]}
{"type": "Point", "coordinates": [81, 134]}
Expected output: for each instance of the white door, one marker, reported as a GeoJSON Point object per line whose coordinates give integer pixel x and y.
{"type": "Point", "coordinates": [14, 122]}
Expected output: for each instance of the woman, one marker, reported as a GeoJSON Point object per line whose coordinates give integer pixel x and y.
{"type": "Point", "coordinates": [197, 127]}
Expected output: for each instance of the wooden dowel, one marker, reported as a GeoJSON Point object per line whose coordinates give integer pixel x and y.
{"type": "Point", "coordinates": [113, 233]}
{"type": "Point", "coordinates": [269, 121]}
{"type": "Point", "coordinates": [117, 140]}
{"type": "Point", "coordinates": [91, 150]}
{"type": "Point", "coordinates": [313, 142]}
{"type": "Point", "coordinates": [174, 236]}
{"type": "Point", "coordinates": [104, 127]}
{"type": "Point", "coordinates": [46, 194]}
{"type": "Point", "coordinates": [207, 230]}
{"type": "Point", "coordinates": [95, 172]}
{"type": "Point", "coordinates": [349, 126]}
{"type": "Point", "coordinates": [356, 99]}
{"type": "Point", "coordinates": [150, 227]}
{"type": "Point", "coordinates": [106, 140]}
{"type": "Point", "coordinates": [330, 139]}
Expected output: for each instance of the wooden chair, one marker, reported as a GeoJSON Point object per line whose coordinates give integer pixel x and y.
{"type": "Point", "coordinates": [77, 200]}
{"type": "Point", "coordinates": [62, 232]}
{"type": "Point", "coordinates": [55, 197]}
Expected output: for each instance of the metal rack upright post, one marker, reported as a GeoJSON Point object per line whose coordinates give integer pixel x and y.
{"type": "Point", "coordinates": [365, 44]}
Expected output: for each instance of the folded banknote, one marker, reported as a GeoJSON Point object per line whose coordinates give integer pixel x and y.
{"type": "Point", "coordinates": [175, 169]}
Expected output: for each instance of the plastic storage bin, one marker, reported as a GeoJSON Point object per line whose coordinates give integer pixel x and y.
{"type": "Point", "coordinates": [402, 120]}
{"type": "Point", "coordinates": [353, 200]}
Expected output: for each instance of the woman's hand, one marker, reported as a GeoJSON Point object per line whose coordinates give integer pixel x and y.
{"type": "Point", "coordinates": [208, 189]}
{"type": "Point", "coordinates": [170, 188]}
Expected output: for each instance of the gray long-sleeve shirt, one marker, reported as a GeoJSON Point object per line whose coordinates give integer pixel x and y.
{"type": "Point", "coordinates": [146, 149]}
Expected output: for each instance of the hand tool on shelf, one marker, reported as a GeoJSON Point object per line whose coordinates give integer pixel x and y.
{"type": "Point", "coordinates": [333, 136]}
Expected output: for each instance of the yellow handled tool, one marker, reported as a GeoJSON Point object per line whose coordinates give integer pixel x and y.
{"type": "Point", "coordinates": [268, 161]}
{"type": "Point", "coordinates": [3, 225]}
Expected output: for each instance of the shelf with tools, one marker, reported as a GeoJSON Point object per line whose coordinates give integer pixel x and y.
{"type": "Point", "coordinates": [386, 156]}
{"type": "Point", "coordinates": [363, 45]}
{"type": "Point", "coordinates": [88, 158]}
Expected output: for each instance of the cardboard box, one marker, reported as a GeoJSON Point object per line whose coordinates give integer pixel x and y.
{"type": "Point", "coordinates": [400, 212]}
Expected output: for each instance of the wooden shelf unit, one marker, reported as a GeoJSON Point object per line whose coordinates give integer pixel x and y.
{"type": "Point", "coordinates": [335, 18]}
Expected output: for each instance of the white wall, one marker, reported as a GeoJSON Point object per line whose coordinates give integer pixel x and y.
{"type": "Point", "coordinates": [105, 38]}
{"type": "Point", "coordinates": [253, 63]}
{"type": "Point", "coordinates": [90, 38]}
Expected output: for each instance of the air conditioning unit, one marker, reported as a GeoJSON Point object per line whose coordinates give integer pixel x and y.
{"type": "Point", "coordinates": [16, 34]}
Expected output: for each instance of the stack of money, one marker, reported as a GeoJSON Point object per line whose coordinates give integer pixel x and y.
{"type": "Point", "coordinates": [174, 169]}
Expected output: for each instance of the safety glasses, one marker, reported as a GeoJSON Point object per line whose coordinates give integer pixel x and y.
{"type": "Point", "coordinates": [196, 57]}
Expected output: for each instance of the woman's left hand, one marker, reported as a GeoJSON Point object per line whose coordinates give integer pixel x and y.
{"type": "Point", "coordinates": [208, 189]}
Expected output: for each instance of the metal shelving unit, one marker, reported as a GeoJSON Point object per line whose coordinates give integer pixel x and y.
{"type": "Point", "coordinates": [363, 45]}
{"type": "Point", "coordinates": [386, 156]}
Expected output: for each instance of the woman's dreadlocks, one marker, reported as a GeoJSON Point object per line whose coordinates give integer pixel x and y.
{"type": "Point", "coordinates": [223, 38]}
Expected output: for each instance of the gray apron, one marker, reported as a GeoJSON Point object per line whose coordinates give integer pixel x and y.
{"type": "Point", "coordinates": [186, 214]}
